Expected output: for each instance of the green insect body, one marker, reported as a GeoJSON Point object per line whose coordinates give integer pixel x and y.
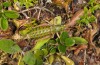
{"type": "Point", "coordinates": [40, 31]}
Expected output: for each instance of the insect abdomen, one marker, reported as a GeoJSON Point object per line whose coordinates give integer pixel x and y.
{"type": "Point", "coordinates": [41, 31]}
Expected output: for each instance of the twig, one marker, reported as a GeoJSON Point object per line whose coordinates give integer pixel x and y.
{"type": "Point", "coordinates": [25, 15]}
{"type": "Point", "coordinates": [75, 17]}
{"type": "Point", "coordinates": [35, 8]}
{"type": "Point", "coordinates": [48, 10]}
{"type": "Point", "coordinates": [85, 57]}
{"type": "Point", "coordinates": [58, 35]}
{"type": "Point", "coordinates": [26, 10]}
{"type": "Point", "coordinates": [34, 12]}
{"type": "Point", "coordinates": [39, 14]}
{"type": "Point", "coordinates": [42, 8]}
{"type": "Point", "coordinates": [47, 22]}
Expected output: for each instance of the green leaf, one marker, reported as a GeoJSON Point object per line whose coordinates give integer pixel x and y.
{"type": "Point", "coordinates": [11, 14]}
{"type": "Point", "coordinates": [0, 14]}
{"type": "Point", "coordinates": [21, 63]}
{"type": "Point", "coordinates": [7, 4]}
{"type": "Point", "coordinates": [63, 36]}
{"type": "Point", "coordinates": [28, 4]}
{"type": "Point", "coordinates": [92, 18]}
{"type": "Point", "coordinates": [38, 54]}
{"type": "Point", "coordinates": [4, 23]}
{"type": "Point", "coordinates": [62, 48]}
{"type": "Point", "coordinates": [58, 40]}
{"type": "Point", "coordinates": [29, 58]}
{"type": "Point", "coordinates": [91, 2]}
{"type": "Point", "coordinates": [79, 40]}
{"type": "Point", "coordinates": [84, 21]}
{"type": "Point", "coordinates": [39, 62]}
{"type": "Point", "coordinates": [9, 46]}
{"type": "Point", "coordinates": [53, 50]}
{"type": "Point", "coordinates": [69, 42]}
{"type": "Point", "coordinates": [85, 10]}
{"type": "Point", "coordinates": [0, 7]}
{"type": "Point", "coordinates": [92, 9]}
{"type": "Point", "coordinates": [45, 52]}
{"type": "Point", "coordinates": [16, 48]}
{"type": "Point", "coordinates": [52, 41]}
{"type": "Point", "coordinates": [40, 43]}
{"type": "Point", "coordinates": [56, 21]}
{"type": "Point", "coordinates": [15, 1]}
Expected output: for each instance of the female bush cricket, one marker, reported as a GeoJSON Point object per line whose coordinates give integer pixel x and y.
{"type": "Point", "coordinates": [40, 31]}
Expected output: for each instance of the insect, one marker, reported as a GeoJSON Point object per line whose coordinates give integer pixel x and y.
{"type": "Point", "coordinates": [40, 31]}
